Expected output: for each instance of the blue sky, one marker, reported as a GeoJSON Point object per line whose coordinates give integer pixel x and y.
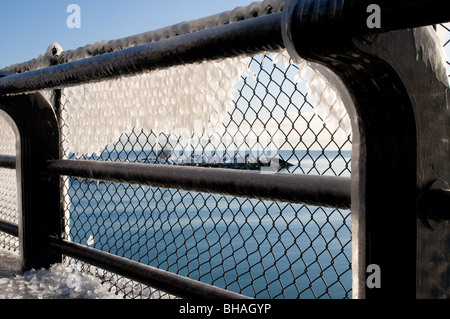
{"type": "Point", "coordinates": [29, 26]}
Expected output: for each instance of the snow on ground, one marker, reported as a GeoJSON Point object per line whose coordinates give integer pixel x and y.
{"type": "Point", "coordinates": [58, 282]}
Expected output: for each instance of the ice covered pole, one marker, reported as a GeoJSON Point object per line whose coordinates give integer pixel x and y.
{"type": "Point", "coordinates": [324, 23]}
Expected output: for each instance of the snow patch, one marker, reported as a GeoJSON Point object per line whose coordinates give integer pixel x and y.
{"type": "Point", "coordinates": [324, 91]}
{"type": "Point", "coordinates": [57, 282]}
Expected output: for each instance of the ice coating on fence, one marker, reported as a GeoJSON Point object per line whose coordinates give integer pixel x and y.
{"type": "Point", "coordinates": [426, 38]}
{"type": "Point", "coordinates": [444, 36]}
{"type": "Point", "coordinates": [187, 99]}
{"type": "Point", "coordinates": [325, 96]}
{"type": "Point", "coordinates": [8, 185]}
{"type": "Point", "coordinates": [184, 98]}
{"type": "Point", "coordinates": [57, 282]}
{"type": "Point", "coordinates": [255, 9]}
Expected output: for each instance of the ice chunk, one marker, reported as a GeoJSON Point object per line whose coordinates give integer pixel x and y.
{"type": "Point", "coordinates": [90, 240]}
{"type": "Point", "coordinates": [430, 50]}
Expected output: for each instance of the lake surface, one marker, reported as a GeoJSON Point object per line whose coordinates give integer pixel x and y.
{"type": "Point", "coordinates": [259, 248]}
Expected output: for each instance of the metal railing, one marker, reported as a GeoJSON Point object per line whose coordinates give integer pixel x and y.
{"type": "Point", "coordinates": [42, 239]}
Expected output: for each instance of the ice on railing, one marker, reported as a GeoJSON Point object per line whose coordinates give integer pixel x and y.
{"type": "Point", "coordinates": [255, 9]}
{"type": "Point", "coordinates": [430, 49]}
{"type": "Point", "coordinates": [181, 98]}
{"type": "Point", "coordinates": [443, 32]}
{"type": "Point", "coordinates": [186, 99]}
{"type": "Point", "coordinates": [324, 94]}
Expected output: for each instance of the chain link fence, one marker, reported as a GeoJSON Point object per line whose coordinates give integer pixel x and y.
{"type": "Point", "coordinates": [8, 187]}
{"type": "Point", "coordinates": [258, 248]}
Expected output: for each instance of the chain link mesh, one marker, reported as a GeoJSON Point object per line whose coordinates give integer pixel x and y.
{"type": "Point", "coordinates": [8, 187]}
{"type": "Point", "coordinates": [445, 39]}
{"type": "Point", "coordinates": [258, 248]}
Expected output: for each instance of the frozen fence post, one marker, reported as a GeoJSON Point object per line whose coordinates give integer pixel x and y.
{"type": "Point", "coordinates": [37, 133]}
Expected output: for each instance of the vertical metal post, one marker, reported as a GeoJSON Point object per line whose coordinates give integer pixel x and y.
{"type": "Point", "coordinates": [400, 125]}
{"type": "Point", "coordinates": [427, 85]}
{"type": "Point", "coordinates": [56, 98]}
{"type": "Point", "coordinates": [426, 81]}
{"type": "Point", "coordinates": [37, 137]}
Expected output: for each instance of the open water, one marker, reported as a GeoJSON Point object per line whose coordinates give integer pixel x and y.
{"type": "Point", "coordinates": [258, 248]}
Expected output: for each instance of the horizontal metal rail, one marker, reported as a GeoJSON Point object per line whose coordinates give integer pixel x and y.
{"type": "Point", "coordinates": [9, 228]}
{"type": "Point", "coordinates": [252, 36]}
{"type": "Point", "coordinates": [244, 37]}
{"type": "Point", "coordinates": [8, 162]}
{"type": "Point", "coordinates": [238, 14]}
{"type": "Point", "coordinates": [328, 191]}
{"type": "Point", "coordinates": [153, 277]}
